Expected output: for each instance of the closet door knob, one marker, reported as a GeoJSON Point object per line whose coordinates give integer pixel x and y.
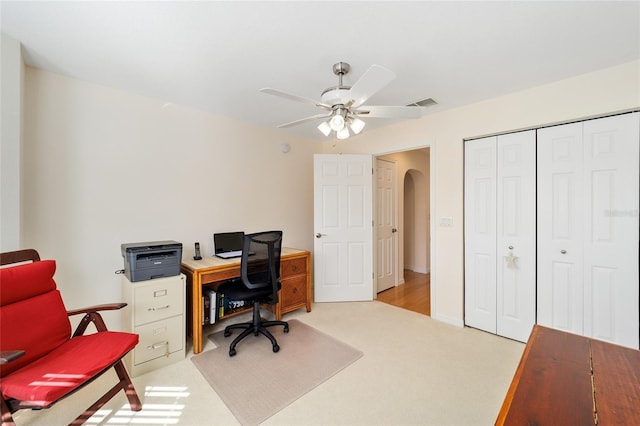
{"type": "Point", "coordinates": [563, 251]}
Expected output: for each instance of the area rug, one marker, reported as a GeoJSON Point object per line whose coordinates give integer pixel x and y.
{"type": "Point", "coordinates": [257, 383]}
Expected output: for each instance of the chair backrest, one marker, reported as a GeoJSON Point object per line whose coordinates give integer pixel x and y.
{"type": "Point", "coordinates": [18, 256]}
{"type": "Point", "coordinates": [260, 263]}
{"type": "Point", "coordinates": [32, 315]}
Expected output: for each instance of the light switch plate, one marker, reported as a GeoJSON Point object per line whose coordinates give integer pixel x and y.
{"type": "Point", "coordinates": [446, 221]}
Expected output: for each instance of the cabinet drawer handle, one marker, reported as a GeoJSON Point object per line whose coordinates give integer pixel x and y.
{"type": "Point", "coordinates": [160, 346]}
{"type": "Point", "coordinates": [294, 268]}
{"type": "Point", "coordinates": [295, 290]}
{"type": "Point", "coordinates": [153, 309]}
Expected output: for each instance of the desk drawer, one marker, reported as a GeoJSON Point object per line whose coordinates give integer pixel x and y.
{"type": "Point", "coordinates": [158, 339]}
{"type": "Point", "coordinates": [293, 291]}
{"type": "Point", "coordinates": [158, 301]}
{"type": "Point", "coordinates": [293, 267]}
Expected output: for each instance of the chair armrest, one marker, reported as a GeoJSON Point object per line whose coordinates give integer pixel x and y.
{"type": "Point", "coordinates": [8, 356]}
{"type": "Point", "coordinates": [92, 315]}
{"type": "Point", "coordinates": [97, 308]}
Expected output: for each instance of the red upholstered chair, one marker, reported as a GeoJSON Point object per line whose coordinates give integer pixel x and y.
{"type": "Point", "coordinates": [41, 361]}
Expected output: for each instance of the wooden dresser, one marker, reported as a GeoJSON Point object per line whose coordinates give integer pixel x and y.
{"type": "Point", "coordinates": [566, 379]}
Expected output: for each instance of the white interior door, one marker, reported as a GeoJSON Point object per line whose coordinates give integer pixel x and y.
{"type": "Point", "coordinates": [480, 233]}
{"type": "Point", "coordinates": [516, 235]}
{"type": "Point", "coordinates": [386, 225]}
{"type": "Point", "coordinates": [611, 177]}
{"type": "Point", "coordinates": [343, 254]}
{"type": "Point", "coordinates": [560, 224]}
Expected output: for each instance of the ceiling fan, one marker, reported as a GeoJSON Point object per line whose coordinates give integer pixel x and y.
{"type": "Point", "coordinates": [344, 105]}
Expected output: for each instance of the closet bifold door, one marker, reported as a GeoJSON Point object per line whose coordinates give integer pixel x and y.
{"type": "Point", "coordinates": [516, 235]}
{"type": "Point", "coordinates": [560, 223]}
{"type": "Point", "coordinates": [480, 234]}
{"type": "Point", "coordinates": [500, 222]}
{"type": "Point", "coordinates": [588, 229]}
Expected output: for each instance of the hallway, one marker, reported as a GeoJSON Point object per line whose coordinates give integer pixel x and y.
{"type": "Point", "coordinates": [414, 294]}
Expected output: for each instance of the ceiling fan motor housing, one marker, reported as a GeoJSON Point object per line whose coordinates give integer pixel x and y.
{"type": "Point", "coordinates": [337, 95]}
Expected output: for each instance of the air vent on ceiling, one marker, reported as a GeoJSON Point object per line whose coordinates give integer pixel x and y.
{"type": "Point", "coordinates": [424, 103]}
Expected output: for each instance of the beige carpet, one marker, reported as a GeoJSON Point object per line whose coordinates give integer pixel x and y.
{"type": "Point", "coordinates": [257, 383]}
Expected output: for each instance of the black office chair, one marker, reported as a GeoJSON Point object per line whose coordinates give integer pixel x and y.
{"type": "Point", "coordinates": [259, 284]}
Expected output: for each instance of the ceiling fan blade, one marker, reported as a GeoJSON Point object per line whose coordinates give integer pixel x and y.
{"type": "Point", "coordinates": [304, 120]}
{"type": "Point", "coordinates": [371, 82]}
{"type": "Point", "coordinates": [297, 98]}
{"type": "Point", "coordinates": [389, 111]}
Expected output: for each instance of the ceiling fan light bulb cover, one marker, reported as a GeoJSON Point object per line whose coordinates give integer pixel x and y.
{"type": "Point", "coordinates": [343, 133]}
{"type": "Point", "coordinates": [356, 125]}
{"type": "Point", "coordinates": [324, 128]}
{"type": "Point", "coordinates": [337, 122]}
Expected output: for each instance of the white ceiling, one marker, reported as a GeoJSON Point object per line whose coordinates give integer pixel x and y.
{"type": "Point", "coordinates": [216, 55]}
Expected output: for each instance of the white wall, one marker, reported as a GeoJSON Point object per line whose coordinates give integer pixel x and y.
{"type": "Point", "coordinates": [10, 137]}
{"type": "Point", "coordinates": [105, 167]}
{"type": "Point", "coordinates": [606, 91]}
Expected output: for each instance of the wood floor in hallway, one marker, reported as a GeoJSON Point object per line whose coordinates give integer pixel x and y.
{"type": "Point", "coordinates": [414, 294]}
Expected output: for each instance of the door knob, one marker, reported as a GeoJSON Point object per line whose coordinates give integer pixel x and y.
{"type": "Point", "coordinates": [319, 235]}
{"type": "Point", "coordinates": [394, 230]}
{"type": "Point", "coordinates": [563, 251]}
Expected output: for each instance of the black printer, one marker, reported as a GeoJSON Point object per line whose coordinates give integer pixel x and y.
{"type": "Point", "coordinates": [156, 259]}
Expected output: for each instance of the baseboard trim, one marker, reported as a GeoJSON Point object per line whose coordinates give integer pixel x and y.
{"type": "Point", "coordinates": [448, 320]}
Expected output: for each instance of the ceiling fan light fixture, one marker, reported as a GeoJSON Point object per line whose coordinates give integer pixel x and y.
{"type": "Point", "coordinates": [337, 122]}
{"type": "Point", "coordinates": [324, 128]}
{"type": "Point", "coordinates": [356, 125]}
{"type": "Point", "coordinates": [343, 133]}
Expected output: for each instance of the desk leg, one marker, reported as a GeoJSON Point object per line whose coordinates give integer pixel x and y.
{"type": "Point", "coordinates": [196, 314]}
{"type": "Point", "coordinates": [308, 283]}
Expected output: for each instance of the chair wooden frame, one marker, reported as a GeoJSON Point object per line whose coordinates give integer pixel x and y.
{"type": "Point", "coordinates": [91, 316]}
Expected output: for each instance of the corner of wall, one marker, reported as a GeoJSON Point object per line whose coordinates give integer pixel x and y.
{"type": "Point", "coordinates": [12, 83]}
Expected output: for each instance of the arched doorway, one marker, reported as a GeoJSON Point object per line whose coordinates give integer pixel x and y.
{"type": "Point", "coordinates": [416, 222]}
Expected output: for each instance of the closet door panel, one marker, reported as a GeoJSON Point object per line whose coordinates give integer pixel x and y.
{"type": "Point", "coordinates": [560, 298]}
{"type": "Point", "coordinates": [611, 175]}
{"type": "Point", "coordinates": [480, 231]}
{"type": "Point", "coordinates": [516, 234]}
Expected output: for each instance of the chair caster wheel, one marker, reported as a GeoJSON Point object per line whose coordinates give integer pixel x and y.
{"type": "Point", "coordinates": [232, 352]}
{"type": "Point", "coordinates": [227, 333]}
{"type": "Point", "coordinates": [276, 348]}
{"type": "Point", "coordinates": [286, 329]}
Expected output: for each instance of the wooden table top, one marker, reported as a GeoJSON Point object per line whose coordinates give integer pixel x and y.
{"type": "Point", "coordinates": [212, 262]}
{"type": "Point", "coordinates": [568, 379]}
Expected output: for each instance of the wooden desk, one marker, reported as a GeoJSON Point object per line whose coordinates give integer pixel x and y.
{"type": "Point", "coordinates": [295, 276]}
{"type": "Point", "coordinates": [566, 379]}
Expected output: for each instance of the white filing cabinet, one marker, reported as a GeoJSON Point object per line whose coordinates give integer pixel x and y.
{"type": "Point", "coordinates": [156, 312]}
